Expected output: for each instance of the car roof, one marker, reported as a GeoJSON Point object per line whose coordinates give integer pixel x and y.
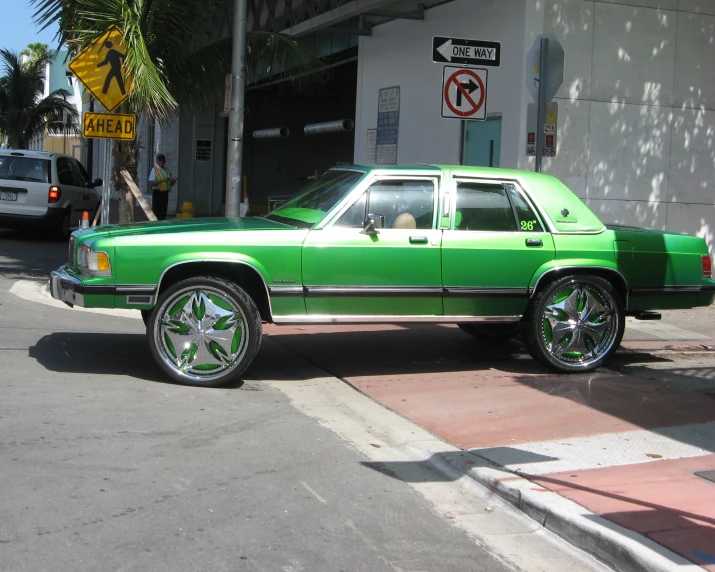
{"type": "Point", "coordinates": [553, 196]}
{"type": "Point", "coordinates": [30, 153]}
{"type": "Point", "coordinates": [489, 172]}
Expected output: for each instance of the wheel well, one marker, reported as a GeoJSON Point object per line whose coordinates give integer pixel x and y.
{"type": "Point", "coordinates": [615, 278]}
{"type": "Point", "coordinates": [242, 275]}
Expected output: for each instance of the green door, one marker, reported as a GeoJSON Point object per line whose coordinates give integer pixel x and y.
{"type": "Point", "coordinates": [482, 142]}
{"type": "Point", "coordinates": [396, 272]}
{"type": "Point", "coordinates": [496, 245]}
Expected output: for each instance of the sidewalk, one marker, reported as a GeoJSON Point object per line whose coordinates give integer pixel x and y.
{"type": "Point", "coordinates": [621, 466]}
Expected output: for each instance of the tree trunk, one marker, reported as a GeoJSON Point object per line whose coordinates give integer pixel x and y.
{"type": "Point", "coordinates": [126, 156]}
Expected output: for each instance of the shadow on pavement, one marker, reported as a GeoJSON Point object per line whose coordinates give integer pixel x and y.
{"type": "Point", "coordinates": [98, 354]}
{"type": "Point", "coordinates": [402, 349]}
{"type": "Point", "coordinates": [102, 354]}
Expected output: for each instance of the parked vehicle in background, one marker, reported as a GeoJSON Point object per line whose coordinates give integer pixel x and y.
{"type": "Point", "coordinates": [498, 252]}
{"type": "Point", "coordinates": [47, 190]}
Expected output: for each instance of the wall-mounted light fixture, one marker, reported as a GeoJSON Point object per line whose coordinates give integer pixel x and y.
{"type": "Point", "coordinates": [271, 133]}
{"type": "Point", "coordinates": [329, 127]}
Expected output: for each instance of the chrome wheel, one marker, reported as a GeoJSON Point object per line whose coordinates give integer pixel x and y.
{"type": "Point", "coordinates": [577, 323]}
{"type": "Point", "coordinates": [203, 331]}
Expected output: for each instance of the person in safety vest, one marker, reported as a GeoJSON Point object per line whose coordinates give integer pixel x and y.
{"type": "Point", "coordinates": [160, 181]}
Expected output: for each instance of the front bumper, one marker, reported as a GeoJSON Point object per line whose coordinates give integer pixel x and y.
{"type": "Point", "coordinates": [66, 288]}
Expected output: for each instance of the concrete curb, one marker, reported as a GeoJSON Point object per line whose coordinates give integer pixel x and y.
{"type": "Point", "coordinates": [618, 547]}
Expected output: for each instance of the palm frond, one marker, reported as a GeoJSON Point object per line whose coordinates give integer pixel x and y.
{"type": "Point", "coordinates": [172, 50]}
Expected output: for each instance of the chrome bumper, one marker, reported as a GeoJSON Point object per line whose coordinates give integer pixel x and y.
{"type": "Point", "coordinates": [66, 288]}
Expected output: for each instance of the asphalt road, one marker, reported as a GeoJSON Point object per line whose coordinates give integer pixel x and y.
{"type": "Point", "coordinates": [105, 465]}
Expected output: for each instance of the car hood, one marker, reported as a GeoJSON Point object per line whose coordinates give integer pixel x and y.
{"type": "Point", "coordinates": [185, 225]}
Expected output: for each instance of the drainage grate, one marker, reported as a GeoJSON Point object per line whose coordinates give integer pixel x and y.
{"type": "Point", "coordinates": [707, 475]}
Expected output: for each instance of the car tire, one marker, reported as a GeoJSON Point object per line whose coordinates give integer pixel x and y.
{"type": "Point", "coordinates": [491, 333]}
{"type": "Point", "coordinates": [63, 230]}
{"type": "Point", "coordinates": [204, 331]}
{"type": "Point", "coordinates": [575, 324]}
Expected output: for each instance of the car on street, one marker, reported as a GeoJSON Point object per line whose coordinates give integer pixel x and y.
{"type": "Point", "coordinates": [498, 252]}
{"type": "Point", "coordinates": [47, 190]}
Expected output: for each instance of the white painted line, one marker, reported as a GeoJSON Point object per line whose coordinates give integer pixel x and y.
{"type": "Point", "coordinates": [609, 450]}
{"type": "Point", "coordinates": [662, 330]}
{"type": "Point", "coordinates": [312, 492]}
{"type": "Point", "coordinates": [39, 291]}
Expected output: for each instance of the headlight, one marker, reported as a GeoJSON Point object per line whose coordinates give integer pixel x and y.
{"type": "Point", "coordinates": [93, 262]}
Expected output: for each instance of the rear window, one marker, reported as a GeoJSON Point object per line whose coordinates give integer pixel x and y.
{"type": "Point", "coordinates": [24, 169]}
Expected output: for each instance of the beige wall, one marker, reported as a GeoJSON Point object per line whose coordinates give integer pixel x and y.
{"type": "Point", "coordinates": [66, 145]}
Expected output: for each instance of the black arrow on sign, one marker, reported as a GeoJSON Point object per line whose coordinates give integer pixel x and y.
{"type": "Point", "coordinates": [470, 87]}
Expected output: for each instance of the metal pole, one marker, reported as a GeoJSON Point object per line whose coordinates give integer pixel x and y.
{"type": "Point", "coordinates": [106, 191]}
{"type": "Point", "coordinates": [235, 117]}
{"type": "Point", "coordinates": [541, 106]}
{"type": "Point", "coordinates": [90, 147]}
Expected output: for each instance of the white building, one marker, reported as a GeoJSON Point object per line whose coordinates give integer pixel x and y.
{"type": "Point", "coordinates": [636, 126]}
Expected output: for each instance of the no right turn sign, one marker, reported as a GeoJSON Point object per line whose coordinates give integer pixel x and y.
{"type": "Point", "coordinates": [464, 93]}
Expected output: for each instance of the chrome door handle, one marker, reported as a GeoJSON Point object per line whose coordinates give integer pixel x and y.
{"type": "Point", "coordinates": [418, 240]}
{"type": "Point", "coordinates": [534, 242]}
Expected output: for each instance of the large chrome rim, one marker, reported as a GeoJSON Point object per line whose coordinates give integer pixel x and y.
{"type": "Point", "coordinates": [580, 324]}
{"type": "Point", "coordinates": [201, 333]}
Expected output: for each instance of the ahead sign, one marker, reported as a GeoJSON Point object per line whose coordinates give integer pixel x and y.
{"type": "Point", "coordinates": [109, 125]}
{"type": "Point", "coordinates": [467, 52]}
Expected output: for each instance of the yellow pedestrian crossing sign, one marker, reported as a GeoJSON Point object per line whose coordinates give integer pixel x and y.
{"type": "Point", "coordinates": [101, 68]}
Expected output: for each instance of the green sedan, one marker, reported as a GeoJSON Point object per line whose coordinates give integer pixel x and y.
{"type": "Point", "coordinates": [498, 252]}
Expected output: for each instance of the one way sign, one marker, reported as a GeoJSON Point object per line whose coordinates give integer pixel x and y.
{"type": "Point", "coordinates": [466, 52]}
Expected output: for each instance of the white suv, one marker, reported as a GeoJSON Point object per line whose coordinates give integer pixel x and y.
{"type": "Point", "coordinates": [40, 189]}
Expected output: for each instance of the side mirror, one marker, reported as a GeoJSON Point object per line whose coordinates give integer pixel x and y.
{"type": "Point", "coordinates": [97, 182]}
{"type": "Point", "coordinates": [372, 223]}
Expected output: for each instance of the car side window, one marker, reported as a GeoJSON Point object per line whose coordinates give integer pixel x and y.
{"type": "Point", "coordinates": [77, 177]}
{"type": "Point", "coordinates": [483, 206]}
{"type": "Point", "coordinates": [404, 204]}
{"type": "Point", "coordinates": [354, 217]}
{"type": "Point", "coordinates": [64, 173]}
{"type": "Point", "coordinates": [528, 221]}
{"type": "Point", "coordinates": [81, 173]}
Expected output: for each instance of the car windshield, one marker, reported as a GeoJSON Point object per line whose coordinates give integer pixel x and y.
{"type": "Point", "coordinates": [312, 203]}
{"type": "Point", "coordinates": [24, 169]}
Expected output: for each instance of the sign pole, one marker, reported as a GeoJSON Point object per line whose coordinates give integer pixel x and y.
{"type": "Point", "coordinates": [541, 106]}
{"type": "Point", "coordinates": [106, 189]}
{"type": "Point", "coordinates": [235, 117]}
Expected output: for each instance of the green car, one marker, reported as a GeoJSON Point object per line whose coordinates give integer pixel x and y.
{"type": "Point", "coordinates": [498, 252]}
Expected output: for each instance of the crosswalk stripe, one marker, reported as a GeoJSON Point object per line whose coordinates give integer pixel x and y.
{"type": "Point", "coordinates": [609, 450]}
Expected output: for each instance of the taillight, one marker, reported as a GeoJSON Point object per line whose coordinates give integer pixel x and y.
{"type": "Point", "coordinates": [54, 194]}
{"type": "Point", "coordinates": [707, 265]}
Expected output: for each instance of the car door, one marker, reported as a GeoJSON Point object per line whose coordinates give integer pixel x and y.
{"type": "Point", "coordinates": [395, 271]}
{"type": "Point", "coordinates": [495, 244]}
{"type": "Point", "coordinates": [87, 197]}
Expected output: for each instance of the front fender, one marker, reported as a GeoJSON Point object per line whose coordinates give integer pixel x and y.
{"type": "Point", "coordinates": [215, 257]}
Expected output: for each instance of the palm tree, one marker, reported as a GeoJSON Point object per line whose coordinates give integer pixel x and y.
{"type": "Point", "coordinates": [34, 52]}
{"type": "Point", "coordinates": [174, 54]}
{"type": "Point", "coordinates": [24, 113]}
